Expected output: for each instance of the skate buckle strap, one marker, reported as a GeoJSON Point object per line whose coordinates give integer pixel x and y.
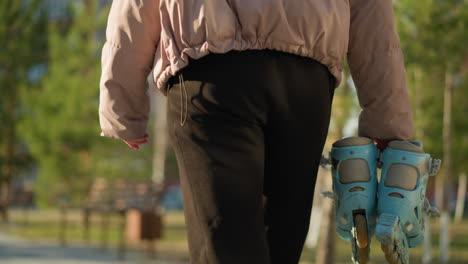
{"type": "Point", "coordinates": [324, 162]}
{"type": "Point", "coordinates": [329, 194]}
{"type": "Point", "coordinates": [430, 210]}
{"type": "Point", "coordinates": [379, 160]}
{"type": "Point", "coordinates": [434, 167]}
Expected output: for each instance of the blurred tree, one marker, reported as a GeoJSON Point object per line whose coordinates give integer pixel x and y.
{"type": "Point", "coordinates": [434, 36]}
{"type": "Point", "coordinates": [23, 46]}
{"type": "Point", "coordinates": [345, 109]}
{"type": "Point", "coordinates": [60, 121]}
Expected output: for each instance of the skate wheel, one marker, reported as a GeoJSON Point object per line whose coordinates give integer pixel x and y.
{"type": "Point", "coordinates": [362, 236]}
{"type": "Point", "coordinates": [391, 255]}
{"type": "Point", "coordinates": [387, 249]}
{"type": "Point", "coordinates": [363, 255]}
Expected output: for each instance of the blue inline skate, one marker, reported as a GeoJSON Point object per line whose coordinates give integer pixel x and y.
{"type": "Point", "coordinates": [354, 165]}
{"type": "Point", "coordinates": [401, 198]}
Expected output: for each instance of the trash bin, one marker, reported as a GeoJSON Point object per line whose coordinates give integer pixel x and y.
{"type": "Point", "coordinates": [143, 225]}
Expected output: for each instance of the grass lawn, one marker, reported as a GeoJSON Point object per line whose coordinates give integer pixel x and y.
{"type": "Point", "coordinates": [44, 226]}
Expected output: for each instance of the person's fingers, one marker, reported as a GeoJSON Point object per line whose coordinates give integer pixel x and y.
{"type": "Point", "coordinates": [144, 139]}
{"type": "Point", "coordinates": [135, 143]}
{"type": "Point", "coordinates": [138, 141]}
{"type": "Point", "coordinates": [133, 146]}
{"type": "Point", "coordinates": [382, 143]}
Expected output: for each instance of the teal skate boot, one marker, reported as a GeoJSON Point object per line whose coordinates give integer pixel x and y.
{"type": "Point", "coordinates": [402, 189]}
{"type": "Point", "coordinates": [354, 164]}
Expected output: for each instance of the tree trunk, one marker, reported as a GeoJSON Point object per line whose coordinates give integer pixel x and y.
{"type": "Point", "coordinates": [105, 225]}
{"type": "Point", "coordinates": [4, 198]}
{"type": "Point", "coordinates": [86, 224]}
{"type": "Point", "coordinates": [317, 212]}
{"type": "Point", "coordinates": [326, 247]}
{"type": "Point", "coordinates": [444, 181]}
{"type": "Point", "coordinates": [160, 140]}
{"type": "Point", "coordinates": [460, 198]}
{"type": "Point", "coordinates": [63, 225]}
{"type": "Point", "coordinates": [418, 99]}
{"type": "Point", "coordinates": [427, 248]}
{"type": "Point", "coordinates": [419, 133]}
{"type": "Point", "coordinates": [122, 239]}
{"type": "Point", "coordinates": [444, 242]}
{"type": "Point", "coordinates": [7, 169]}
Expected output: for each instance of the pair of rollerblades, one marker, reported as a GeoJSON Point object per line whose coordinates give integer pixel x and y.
{"type": "Point", "coordinates": [391, 208]}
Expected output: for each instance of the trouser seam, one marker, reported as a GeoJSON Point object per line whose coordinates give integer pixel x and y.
{"type": "Point", "coordinates": [189, 183]}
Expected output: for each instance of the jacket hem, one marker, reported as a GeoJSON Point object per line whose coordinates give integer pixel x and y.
{"type": "Point", "coordinates": [204, 49]}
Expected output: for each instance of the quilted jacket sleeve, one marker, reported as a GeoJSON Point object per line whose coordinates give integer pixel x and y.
{"type": "Point", "coordinates": [132, 35]}
{"type": "Point", "coordinates": [377, 66]}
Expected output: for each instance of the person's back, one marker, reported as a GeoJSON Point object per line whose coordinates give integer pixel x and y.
{"type": "Point", "coordinates": [323, 30]}
{"type": "Point", "coordinates": [315, 29]}
{"type": "Point", "coordinates": [249, 87]}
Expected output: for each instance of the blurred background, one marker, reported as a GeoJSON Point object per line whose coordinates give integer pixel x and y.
{"type": "Point", "coordinates": [70, 196]}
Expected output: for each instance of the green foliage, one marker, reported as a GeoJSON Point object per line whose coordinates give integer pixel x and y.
{"type": "Point", "coordinates": [21, 28]}
{"type": "Point", "coordinates": [60, 120]}
{"type": "Point", "coordinates": [345, 108]}
{"type": "Point", "coordinates": [433, 36]}
{"type": "Point", "coordinates": [460, 126]}
{"type": "Point", "coordinates": [57, 118]}
{"type": "Point", "coordinates": [22, 45]}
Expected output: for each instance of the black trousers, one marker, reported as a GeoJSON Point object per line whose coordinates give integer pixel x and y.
{"type": "Point", "coordinates": [243, 125]}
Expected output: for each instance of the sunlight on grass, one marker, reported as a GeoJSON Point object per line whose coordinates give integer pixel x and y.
{"type": "Point", "coordinates": [44, 226]}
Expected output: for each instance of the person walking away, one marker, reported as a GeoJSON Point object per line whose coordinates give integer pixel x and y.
{"type": "Point", "coordinates": [250, 87]}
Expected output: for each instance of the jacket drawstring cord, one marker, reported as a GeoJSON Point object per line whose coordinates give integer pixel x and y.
{"type": "Point", "coordinates": [183, 100]}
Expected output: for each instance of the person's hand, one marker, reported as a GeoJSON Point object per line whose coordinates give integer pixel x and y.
{"type": "Point", "coordinates": [382, 143]}
{"type": "Point", "coordinates": [135, 143]}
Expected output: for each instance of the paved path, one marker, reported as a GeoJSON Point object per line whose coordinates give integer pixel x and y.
{"type": "Point", "coordinates": [18, 251]}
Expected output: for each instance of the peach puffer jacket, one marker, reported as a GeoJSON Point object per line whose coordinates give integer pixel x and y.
{"type": "Point", "coordinates": [160, 36]}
